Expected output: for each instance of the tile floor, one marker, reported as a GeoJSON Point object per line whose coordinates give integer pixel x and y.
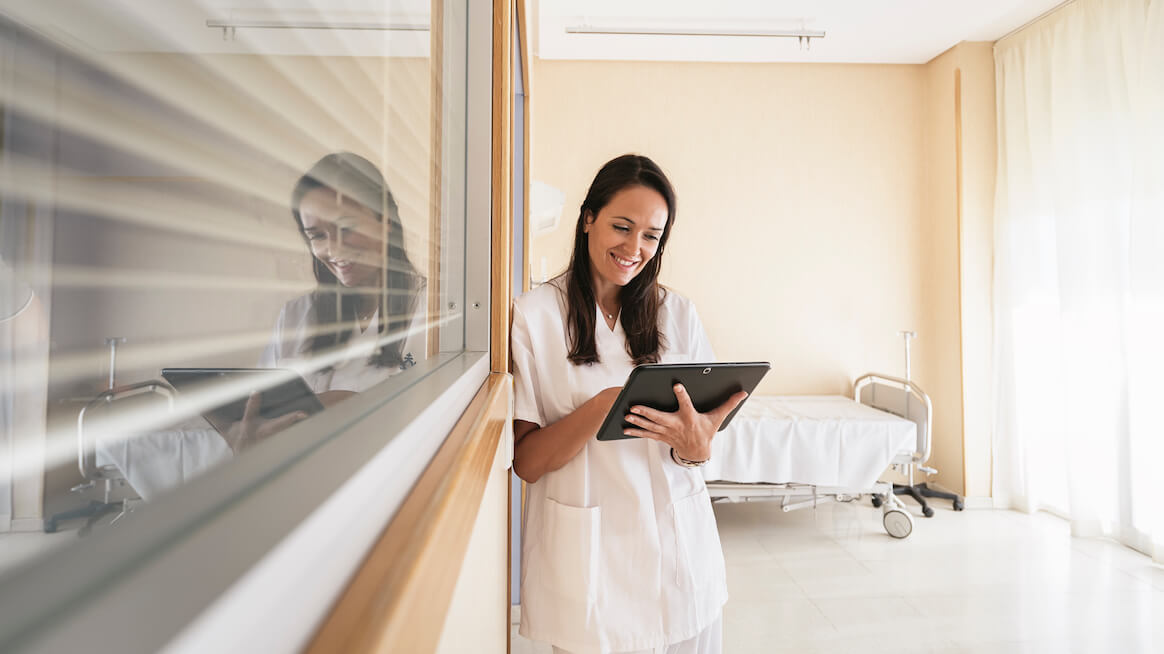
{"type": "Point", "coordinates": [976, 581]}
{"type": "Point", "coordinates": [18, 548]}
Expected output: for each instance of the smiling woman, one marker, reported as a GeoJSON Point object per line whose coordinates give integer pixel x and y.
{"type": "Point", "coordinates": [351, 222]}
{"type": "Point", "coordinates": [620, 549]}
{"type": "Point", "coordinates": [630, 208]}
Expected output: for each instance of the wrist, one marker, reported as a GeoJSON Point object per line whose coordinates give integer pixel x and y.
{"type": "Point", "coordinates": [686, 462]}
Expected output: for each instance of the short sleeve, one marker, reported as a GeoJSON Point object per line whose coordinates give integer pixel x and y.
{"type": "Point", "coordinates": [700, 345]}
{"type": "Point", "coordinates": [270, 356]}
{"type": "Point", "coordinates": [527, 403]}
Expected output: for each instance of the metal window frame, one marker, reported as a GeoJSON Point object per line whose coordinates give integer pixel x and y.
{"type": "Point", "coordinates": [164, 577]}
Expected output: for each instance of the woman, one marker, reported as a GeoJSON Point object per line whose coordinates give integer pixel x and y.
{"type": "Point", "coordinates": [621, 551]}
{"type": "Point", "coordinates": [363, 323]}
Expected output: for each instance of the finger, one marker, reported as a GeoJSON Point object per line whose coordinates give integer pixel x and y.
{"type": "Point", "coordinates": [642, 433]}
{"type": "Point", "coordinates": [720, 412]}
{"type": "Point", "coordinates": [685, 405]}
{"type": "Point", "coordinates": [282, 422]}
{"type": "Point", "coordinates": [253, 406]}
{"type": "Point", "coordinates": [654, 415]}
{"type": "Point", "coordinates": [644, 423]}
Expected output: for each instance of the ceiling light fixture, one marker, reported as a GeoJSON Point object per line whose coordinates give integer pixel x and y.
{"type": "Point", "coordinates": [804, 37]}
{"type": "Point", "coordinates": [228, 27]}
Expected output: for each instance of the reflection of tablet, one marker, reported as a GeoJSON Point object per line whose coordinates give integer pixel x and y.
{"type": "Point", "coordinates": [708, 384]}
{"type": "Point", "coordinates": [226, 391]}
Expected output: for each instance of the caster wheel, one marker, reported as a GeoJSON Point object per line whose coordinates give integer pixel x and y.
{"type": "Point", "coordinates": [927, 512]}
{"type": "Point", "coordinates": [898, 523]}
{"type": "Point", "coordinates": [959, 505]}
{"type": "Point", "coordinates": [877, 501]}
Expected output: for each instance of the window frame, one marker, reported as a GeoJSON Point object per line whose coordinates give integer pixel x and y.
{"type": "Point", "coordinates": [175, 573]}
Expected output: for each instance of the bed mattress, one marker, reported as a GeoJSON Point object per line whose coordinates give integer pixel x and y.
{"type": "Point", "coordinates": [808, 439]}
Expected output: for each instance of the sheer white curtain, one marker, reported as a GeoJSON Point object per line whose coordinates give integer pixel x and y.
{"type": "Point", "coordinates": [1079, 270]}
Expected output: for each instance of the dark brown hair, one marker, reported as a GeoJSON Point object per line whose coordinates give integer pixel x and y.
{"type": "Point", "coordinates": [334, 306]}
{"type": "Point", "coordinates": [641, 297]}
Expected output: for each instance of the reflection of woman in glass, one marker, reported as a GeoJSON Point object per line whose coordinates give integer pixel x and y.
{"type": "Point", "coordinates": [363, 323]}
{"type": "Point", "coordinates": [337, 335]}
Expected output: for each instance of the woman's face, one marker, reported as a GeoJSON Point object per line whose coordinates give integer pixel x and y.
{"type": "Point", "coordinates": [625, 234]}
{"type": "Point", "coordinates": [344, 235]}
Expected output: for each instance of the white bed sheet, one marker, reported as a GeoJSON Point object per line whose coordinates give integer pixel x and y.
{"type": "Point", "coordinates": [823, 440]}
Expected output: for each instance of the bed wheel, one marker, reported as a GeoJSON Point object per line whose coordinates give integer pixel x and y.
{"type": "Point", "coordinates": [876, 501]}
{"type": "Point", "coordinates": [958, 505]}
{"type": "Point", "coordinates": [898, 523]}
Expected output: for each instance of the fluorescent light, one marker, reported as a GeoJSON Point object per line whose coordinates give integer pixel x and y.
{"type": "Point", "coordinates": [225, 25]}
{"type": "Point", "coordinates": [652, 31]}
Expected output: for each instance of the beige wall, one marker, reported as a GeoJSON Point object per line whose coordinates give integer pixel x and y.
{"type": "Point", "coordinates": [799, 199]}
{"type": "Point", "coordinates": [817, 209]}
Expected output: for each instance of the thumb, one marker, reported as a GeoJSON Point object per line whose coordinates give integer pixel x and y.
{"type": "Point", "coordinates": [722, 411]}
{"type": "Point", "coordinates": [253, 406]}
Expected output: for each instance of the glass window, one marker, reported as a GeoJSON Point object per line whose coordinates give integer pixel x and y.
{"type": "Point", "coordinates": [217, 227]}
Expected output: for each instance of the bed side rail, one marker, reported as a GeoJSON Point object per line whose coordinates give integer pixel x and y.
{"type": "Point", "coordinates": [902, 398]}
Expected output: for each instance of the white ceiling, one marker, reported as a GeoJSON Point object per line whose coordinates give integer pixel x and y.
{"type": "Point", "coordinates": [857, 31]}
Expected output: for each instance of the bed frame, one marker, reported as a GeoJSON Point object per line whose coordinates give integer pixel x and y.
{"type": "Point", "coordinates": [894, 395]}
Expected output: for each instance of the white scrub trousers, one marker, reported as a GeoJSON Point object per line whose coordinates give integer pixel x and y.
{"type": "Point", "coordinates": [709, 641]}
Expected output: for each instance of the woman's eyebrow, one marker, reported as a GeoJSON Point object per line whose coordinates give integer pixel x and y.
{"type": "Point", "coordinates": [649, 229]}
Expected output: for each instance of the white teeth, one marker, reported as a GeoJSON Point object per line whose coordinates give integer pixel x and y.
{"type": "Point", "coordinates": [624, 262]}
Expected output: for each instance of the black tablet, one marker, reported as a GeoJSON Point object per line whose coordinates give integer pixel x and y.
{"type": "Point", "coordinates": [708, 384]}
{"type": "Point", "coordinates": [226, 391]}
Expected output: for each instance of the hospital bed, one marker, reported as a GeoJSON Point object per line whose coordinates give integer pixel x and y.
{"type": "Point", "coordinates": [805, 450]}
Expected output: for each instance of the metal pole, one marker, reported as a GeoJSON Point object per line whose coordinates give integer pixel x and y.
{"type": "Point", "coordinates": [113, 342]}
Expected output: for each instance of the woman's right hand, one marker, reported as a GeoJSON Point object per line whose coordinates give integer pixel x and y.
{"type": "Point", "coordinates": [254, 428]}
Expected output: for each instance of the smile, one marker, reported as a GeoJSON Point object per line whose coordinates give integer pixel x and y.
{"type": "Point", "coordinates": [626, 264]}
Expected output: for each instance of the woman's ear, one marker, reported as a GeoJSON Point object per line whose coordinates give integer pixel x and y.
{"type": "Point", "coordinates": [587, 221]}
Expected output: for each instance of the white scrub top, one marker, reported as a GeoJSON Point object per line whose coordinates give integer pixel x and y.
{"type": "Point", "coordinates": [349, 372]}
{"type": "Point", "coordinates": [620, 549]}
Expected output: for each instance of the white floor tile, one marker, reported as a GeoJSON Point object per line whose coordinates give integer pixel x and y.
{"type": "Point", "coordinates": [978, 581]}
{"type": "Point", "coordinates": [18, 548]}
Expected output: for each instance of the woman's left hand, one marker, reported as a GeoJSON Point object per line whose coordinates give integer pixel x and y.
{"type": "Point", "coordinates": [688, 431]}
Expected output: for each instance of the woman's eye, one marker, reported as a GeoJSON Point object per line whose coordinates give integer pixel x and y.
{"type": "Point", "coordinates": [313, 236]}
{"type": "Point", "coordinates": [652, 237]}
{"type": "Point", "coordinates": [622, 228]}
